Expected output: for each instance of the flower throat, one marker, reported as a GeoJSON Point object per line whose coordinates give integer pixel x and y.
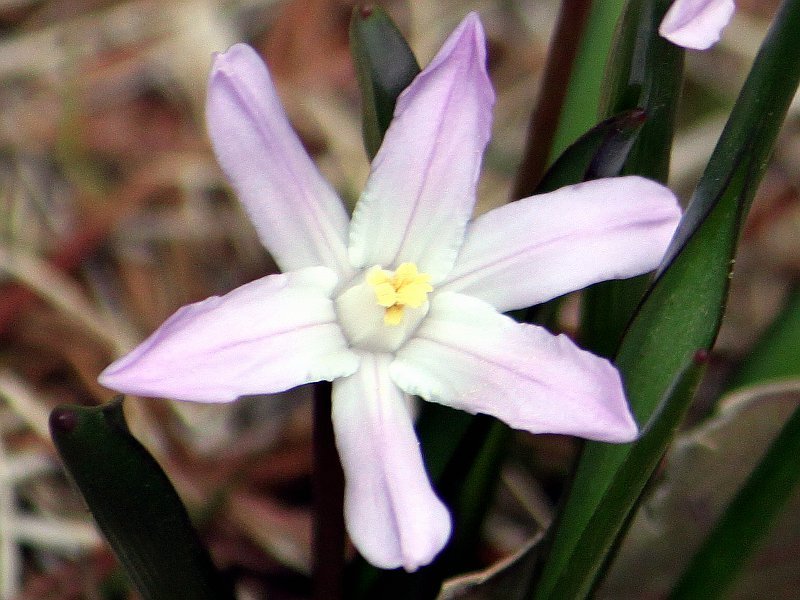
{"type": "Point", "coordinates": [395, 290]}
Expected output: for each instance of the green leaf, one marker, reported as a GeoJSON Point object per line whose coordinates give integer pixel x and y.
{"type": "Point", "coordinates": [581, 106]}
{"type": "Point", "coordinates": [775, 356]}
{"type": "Point", "coordinates": [134, 504]}
{"type": "Point", "coordinates": [384, 67]}
{"type": "Point", "coordinates": [645, 71]}
{"type": "Point", "coordinates": [681, 313]}
{"type": "Point", "coordinates": [626, 483]}
{"type": "Point", "coordinates": [747, 519]}
{"type": "Point", "coordinates": [600, 152]}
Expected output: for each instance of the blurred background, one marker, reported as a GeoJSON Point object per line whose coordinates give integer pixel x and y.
{"type": "Point", "coordinates": [113, 214]}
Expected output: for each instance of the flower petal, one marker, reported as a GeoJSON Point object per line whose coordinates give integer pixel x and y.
{"type": "Point", "coordinates": [392, 514]}
{"type": "Point", "coordinates": [298, 216]}
{"type": "Point", "coordinates": [266, 336]}
{"type": "Point", "coordinates": [421, 190]}
{"type": "Point", "coordinates": [696, 24]}
{"type": "Point", "coordinates": [536, 249]}
{"type": "Point", "coordinates": [468, 356]}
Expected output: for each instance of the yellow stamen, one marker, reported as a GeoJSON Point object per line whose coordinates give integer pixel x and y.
{"type": "Point", "coordinates": [393, 315]}
{"type": "Point", "coordinates": [394, 291]}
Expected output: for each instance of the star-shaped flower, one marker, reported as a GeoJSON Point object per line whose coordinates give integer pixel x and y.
{"type": "Point", "coordinates": [406, 298]}
{"type": "Point", "coordinates": [696, 24]}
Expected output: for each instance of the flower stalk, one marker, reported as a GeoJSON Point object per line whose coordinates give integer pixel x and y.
{"type": "Point", "coordinates": [328, 490]}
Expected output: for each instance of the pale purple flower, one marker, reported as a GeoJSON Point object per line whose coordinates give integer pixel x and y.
{"type": "Point", "coordinates": [696, 24]}
{"type": "Point", "coordinates": [406, 297]}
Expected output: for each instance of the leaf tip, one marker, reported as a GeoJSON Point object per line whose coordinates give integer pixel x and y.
{"type": "Point", "coordinates": [63, 419]}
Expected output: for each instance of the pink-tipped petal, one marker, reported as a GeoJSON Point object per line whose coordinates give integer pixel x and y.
{"type": "Point", "coordinates": [298, 216]}
{"type": "Point", "coordinates": [696, 24]}
{"type": "Point", "coordinates": [468, 356]}
{"type": "Point", "coordinates": [536, 249]}
{"type": "Point", "coordinates": [392, 514]}
{"type": "Point", "coordinates": [421, 190]}
{"type": "Point", "coordinates": [267, 336]}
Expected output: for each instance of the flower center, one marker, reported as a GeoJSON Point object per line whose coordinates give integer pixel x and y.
{"type": "Point", "coordinates": [381, 309]}
{"type": "Point", "coordinates": [395, 290]}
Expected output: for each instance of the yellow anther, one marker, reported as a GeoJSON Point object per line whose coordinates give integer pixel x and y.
{"type": "Point", "coordinates": [394, 291]}
{"type": "Point", "coordinates": [386, 294]}
{"type": "Point", "coordinates": [394, 315]}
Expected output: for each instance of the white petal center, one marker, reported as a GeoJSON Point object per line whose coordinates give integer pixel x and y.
{"type": "Point", "coordinates": [382, 309]}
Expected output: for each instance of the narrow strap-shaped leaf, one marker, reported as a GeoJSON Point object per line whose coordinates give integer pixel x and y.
{"type": "Point", "coordinates": [775, 356]}
{"type": "Point", "coordinates": [683, 308]}
{"type": "Point", "coordinates": [645, 71]}
{"type": "Point", "coordinates": [134, 504]}
{"type": "Point", "coordinates": [746, 521]}
{"type": "Point", "coordinates": [632, 474]}
{"type": "Point", "coordinates": [581, 107]}
{"type": "Point", "coordinates": [600, 152]}
{"type": "Point", "coordinates": [384, 66]}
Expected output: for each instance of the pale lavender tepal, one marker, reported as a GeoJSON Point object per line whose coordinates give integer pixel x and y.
{"type": "Point", "coordinates": [406, 297]}
{"type": "Point", "coordinates": [696, 24]}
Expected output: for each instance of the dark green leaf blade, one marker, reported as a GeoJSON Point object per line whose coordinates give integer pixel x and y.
{"type": "Point", "coordinates": [600, 152]}
{"type": "Point", "coordinates": [683, 309]}
{"type": "Point", "coordinates": [645, 71]}
{"type": "Point", "coordinates": [384, 67]}
{"type": "Point", "coordinates": [775, 356]}
{"type": "Point", "coordinates": [134, 504]}
{"type": "Point", "coordinates": [581, 105]}
{"type": "Point", "coordinates": [631, 476]}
